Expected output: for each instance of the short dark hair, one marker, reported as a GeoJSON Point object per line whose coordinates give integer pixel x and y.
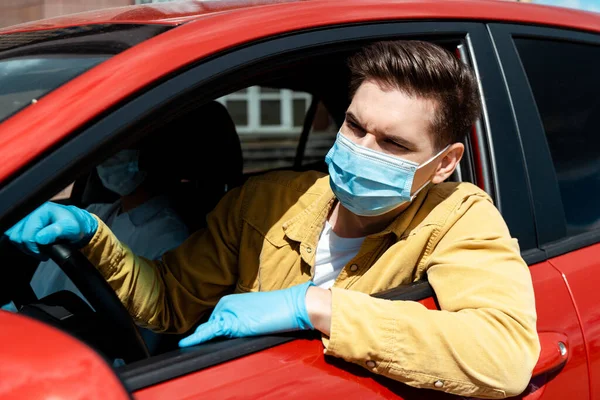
{"type": "Point", "coordinates": [425, 70]}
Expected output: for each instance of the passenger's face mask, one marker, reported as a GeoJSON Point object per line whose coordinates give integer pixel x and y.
{"type": "Point", "coordinates": [120, 173]}
{"type": "Point", "coordinates": [368, 182]}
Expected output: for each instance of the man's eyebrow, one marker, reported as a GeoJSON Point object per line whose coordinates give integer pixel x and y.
{"type": "Point", "coordinates": [403, 142]}
{"type": "Point", "coordinates": [351, 117]}
{"type": "Point", "coordinates": [400, 140]}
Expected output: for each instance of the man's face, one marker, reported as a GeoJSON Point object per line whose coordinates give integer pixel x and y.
{"type": "Point", "coordinates": [391, 122]}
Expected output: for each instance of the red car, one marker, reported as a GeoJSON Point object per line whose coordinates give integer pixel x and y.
{"type": "Point", "coordinates": [75, 89]}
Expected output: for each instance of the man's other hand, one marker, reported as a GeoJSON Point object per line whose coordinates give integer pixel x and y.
{"type": "Point", "coordinates": [50, 223]}
{"type": "Point", "coordinates": [252, 314]}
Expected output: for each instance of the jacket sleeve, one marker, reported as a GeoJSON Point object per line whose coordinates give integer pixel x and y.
{"type": "Point", "coordinates": [482, 342]}
{"type": "Point", "coordinates": [171, 294]}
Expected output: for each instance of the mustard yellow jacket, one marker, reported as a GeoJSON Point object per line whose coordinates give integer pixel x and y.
{"type": "Point", "coordinates": [263, 236]}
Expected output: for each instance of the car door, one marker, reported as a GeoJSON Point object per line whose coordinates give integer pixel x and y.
{"type": "Point", "coordinates": [292, 366]}
{"type": "Point", "coordinates": [553, 84]}
{"type": "Point", "coordinates": [296, 368]}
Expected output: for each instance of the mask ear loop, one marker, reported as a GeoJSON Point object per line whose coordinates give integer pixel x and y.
{"type": "Point", "coordinates": [434, 157]}
{"type": "Point", "coordinates": [414, 195]}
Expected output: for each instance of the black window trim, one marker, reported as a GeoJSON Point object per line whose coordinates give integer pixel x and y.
{"type": "Point", "coordinates": [498, 137]}
{"type": "Point", "coordinates": [548, 208]}
{"type": "Point", "coordinates": [60, 167]}
{"type": "Point", "coordinates": [482, 129]}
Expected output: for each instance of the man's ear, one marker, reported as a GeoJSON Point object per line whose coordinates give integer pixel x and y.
{"type": "Point", "coordinates": [448, 163]}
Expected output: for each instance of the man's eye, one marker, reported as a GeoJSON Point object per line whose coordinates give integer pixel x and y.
{"type": "Point", "coordinates": [354, 125]}
{"type": "Point", "coordinates": [397, 144]}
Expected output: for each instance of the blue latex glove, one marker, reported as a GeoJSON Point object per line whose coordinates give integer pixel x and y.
{"type": "Point", "coordinates": [50, 223]}
{"type": "Point", "coordinates": [252, 314]}
{"type": "Point", "coordinates": [9, 307]}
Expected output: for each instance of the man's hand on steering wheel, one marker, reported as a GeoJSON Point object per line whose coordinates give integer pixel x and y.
{"type": "Point", "coordinates": [56, 231]}
{"type": "Point", "coordinates": [50, 223]}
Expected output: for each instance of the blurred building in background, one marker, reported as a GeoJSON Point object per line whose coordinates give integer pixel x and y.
{"type": "Point", "coordinates": [14, 12]}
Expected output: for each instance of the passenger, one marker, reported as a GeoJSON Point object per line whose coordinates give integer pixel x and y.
{"type": "Point", "coordinates": [304, 250]}
{"type": "Point", "coordinates": [141, 218]}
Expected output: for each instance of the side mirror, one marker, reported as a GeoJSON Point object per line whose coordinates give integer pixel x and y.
{"type": "Point", "coordinates": [39, 361]}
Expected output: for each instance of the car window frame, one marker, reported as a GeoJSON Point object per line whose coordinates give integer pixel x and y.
{"type": "Point", "coordinates": [548, 207]}
{"type": "Point", "coordinates": [93, 143]}
{"type": "Point", "coordinates": [51, 173]}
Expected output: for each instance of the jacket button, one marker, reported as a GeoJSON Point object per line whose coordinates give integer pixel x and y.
{"type": "Point", "coordinates": [309, 249]}
{"type": "Point", "coordinates": [353, 267]}
{"type": "Point", "coordinates": [371, 364]}
{"type": "Point", "coordinates": [438, 384]}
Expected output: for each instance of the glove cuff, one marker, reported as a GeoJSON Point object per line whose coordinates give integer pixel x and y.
{"type": "Point", "coordinates": [301, 311]}
{"type": "Point", "coordinates": [89, 227]}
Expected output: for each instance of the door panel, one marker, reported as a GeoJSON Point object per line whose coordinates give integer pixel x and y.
{"type": "Point", "coordinates": [557, 316]}
{"type": "Point", "coordinates": [551, 99]}
{"type": "Point", "coordinates": [298, 370]}
{"type": "Point", "coordinates": [581, 269]}
{"type": "Point", "coordinates": [293, 370]}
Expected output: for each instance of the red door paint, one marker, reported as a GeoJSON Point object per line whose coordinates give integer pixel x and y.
{"type": "Point", "coordinates": [298, 370]}
{"type": "Point", "coordinates": [581, 270]}
{"type": "Point", "coordinates": [38, 361]}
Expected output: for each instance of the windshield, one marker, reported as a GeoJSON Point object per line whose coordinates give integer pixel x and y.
{"type": "Point", "coordinates": [34, 63]}
{"type": "Point", "coordinates": [23, 80]}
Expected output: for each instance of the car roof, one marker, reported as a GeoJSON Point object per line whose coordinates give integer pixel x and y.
{"type": "Point", "coordinates": [175, 13]}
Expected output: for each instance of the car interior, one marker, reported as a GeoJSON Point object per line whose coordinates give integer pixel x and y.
{"type": "Point", "coordinates": [197, 143]}
{"type": "Point", "coordinates": [172, 152]}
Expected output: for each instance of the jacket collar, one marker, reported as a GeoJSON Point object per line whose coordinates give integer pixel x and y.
{"type": "Point", "coordinates": [306, 226]}
{"type": "Point", "coordinates": [310, 221]}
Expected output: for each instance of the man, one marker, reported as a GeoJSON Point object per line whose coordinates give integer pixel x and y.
{"type": "Point", "coordinates": [303, 250]}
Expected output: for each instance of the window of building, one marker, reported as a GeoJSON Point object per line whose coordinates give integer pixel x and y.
{"type": "Point", "coordinates": [565, 82]}
{"type": "Point", "coordinates": [269, 122]}
{"type": "Point", "coordinates": [153, 1]}
{"type": "Point", "coordinates": [263, 111]}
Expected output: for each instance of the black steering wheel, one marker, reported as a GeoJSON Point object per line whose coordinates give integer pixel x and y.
{"type": "Point", "coordinates": [102, 298]}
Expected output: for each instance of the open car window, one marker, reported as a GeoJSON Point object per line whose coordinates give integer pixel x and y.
{"type": "Point", "coordinates": [270, 123]}
{"type": "Point", "coordinates": [271, 127]}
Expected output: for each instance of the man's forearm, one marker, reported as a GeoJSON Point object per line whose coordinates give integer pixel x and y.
{"type": "Point", "coordinates": [134, 279]}
{"type": "Point", "coordinates": [318, 305]}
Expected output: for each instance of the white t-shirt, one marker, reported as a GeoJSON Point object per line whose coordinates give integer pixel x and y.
{"type": "Point", "coordinates": [333, 253]}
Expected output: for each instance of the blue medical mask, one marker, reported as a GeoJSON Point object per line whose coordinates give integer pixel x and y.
{"type": "Point", "coordinates": [369, 182]}
{"type": "Point", "coordinates": [120, 173]}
